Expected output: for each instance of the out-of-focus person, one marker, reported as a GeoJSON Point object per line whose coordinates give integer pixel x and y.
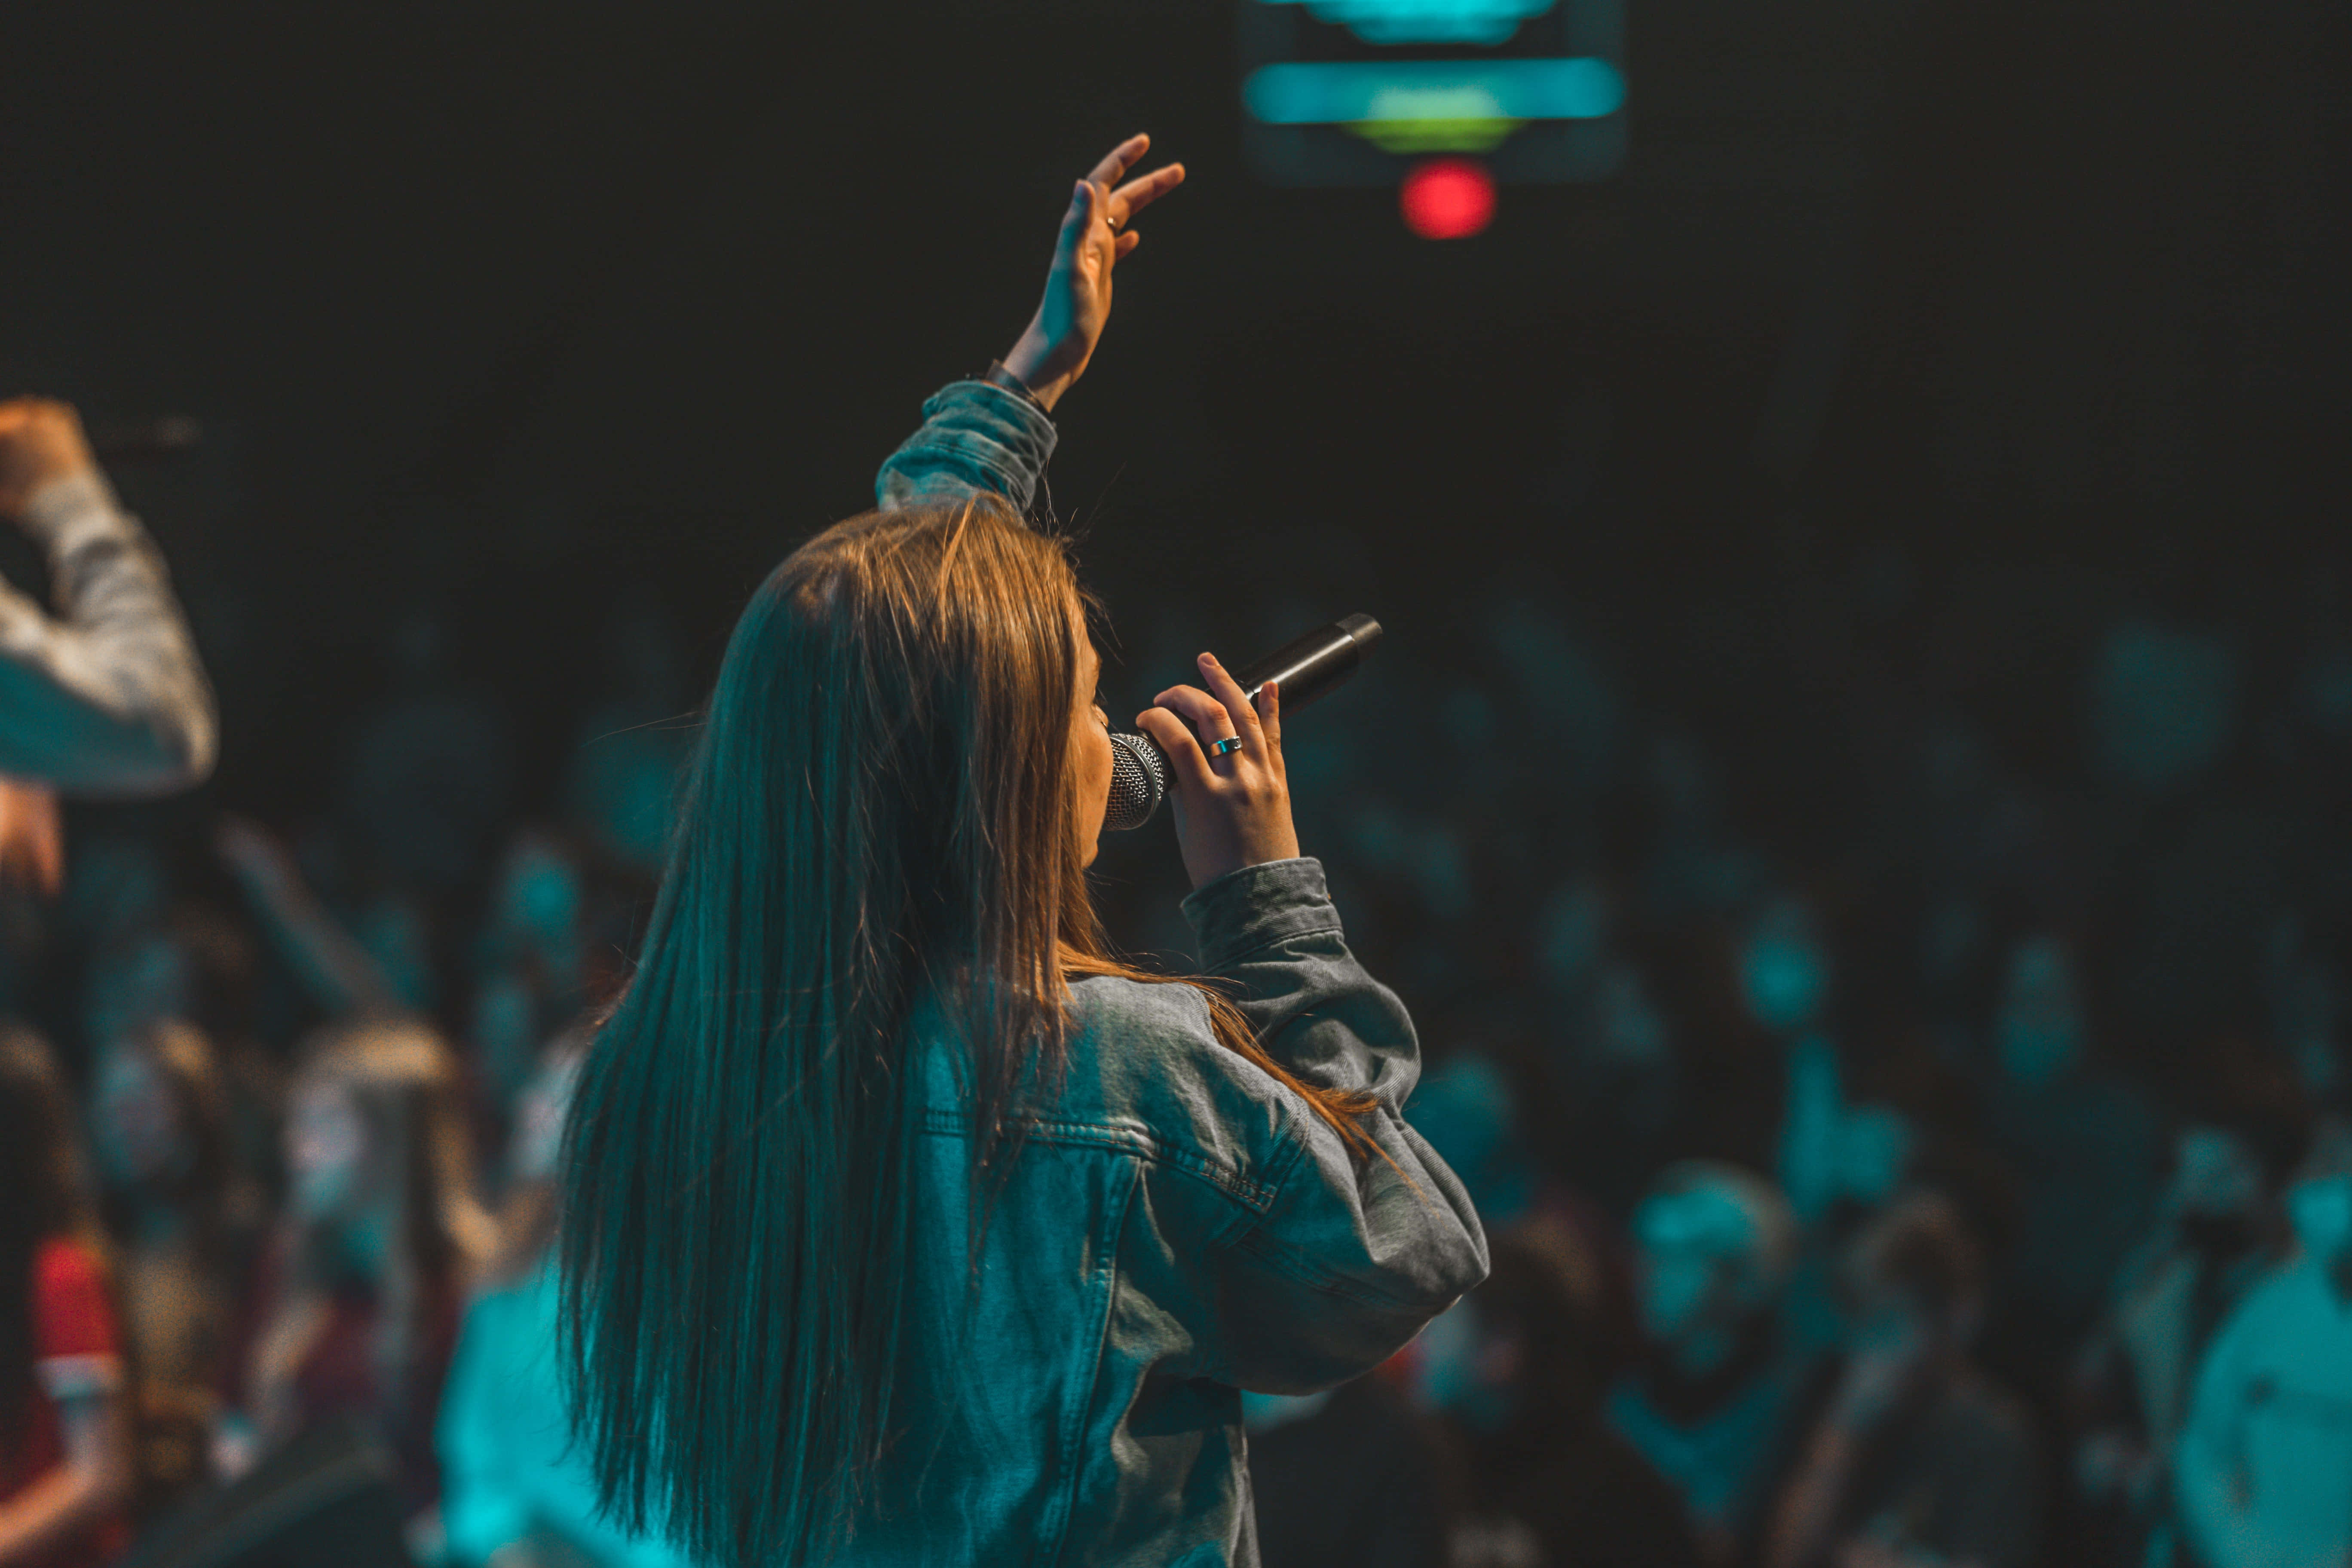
{"type": "Point", "coordinates": [1713, 1403]}
{"type": "Point", "coordinates": [1516, 1372]}
{"type": "Point", "coordinates": [531, 969]}
{"type": "Point", "coordinates": [1787, 978]}
{"type": "Point", "coordinates": [515, 1491]}
{"type": "Point", "coordinates": [1916, 1460]}
{"type": "Point", "coordinates": [160, 1144]}
{"type": "Point", "coordinates": [2263, 1474]}
{"type": "Point", "coordinates": [338, 971]}
{"type": "Point", "coordinates": [106, 696]}
{"type": "Point", "coordinates": [67, 1465]}
{"type": "Point", "coordinates": [2085, 1145]}
{"type": "Point", "coordinates": [2214, 1237]}
{"type": "Point", "coordinates": [357, 1303]}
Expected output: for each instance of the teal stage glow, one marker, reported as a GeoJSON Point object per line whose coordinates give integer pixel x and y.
{"type": "Point", "coordinates": [1390, 92]}
{"type": "Point", "coordinates": [1482, 22]}
{"type": "Point", "coordinates": [1364, 92]}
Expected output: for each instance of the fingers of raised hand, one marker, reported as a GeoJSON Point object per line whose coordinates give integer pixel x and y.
{"type": "Point", "coordinates": [1120, 160]}
{"type": "Point", "coordinates": [1269, 709]}
{"type": "Point", "coordinates": [1140, 193]}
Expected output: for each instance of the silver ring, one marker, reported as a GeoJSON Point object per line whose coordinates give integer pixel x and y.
{"type": "Point", "coordinates": [1229, 745]}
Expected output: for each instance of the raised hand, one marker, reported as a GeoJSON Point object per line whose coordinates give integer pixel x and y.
{"type": "Point", "coordinates": [40, 440]}
{"type": "Point", "coordinates": [32, 844]}
{"type": "Point", "coordinates": [1052, 353]}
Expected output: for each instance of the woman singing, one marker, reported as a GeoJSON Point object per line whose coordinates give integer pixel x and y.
{"type": "Point", "coordinates": [904, 1223]}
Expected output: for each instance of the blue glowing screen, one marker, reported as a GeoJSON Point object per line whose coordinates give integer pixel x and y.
{"type": "Point", "coordinates": [1482, 22]}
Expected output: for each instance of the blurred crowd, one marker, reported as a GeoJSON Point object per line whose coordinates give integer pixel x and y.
{"type": "Point", "coordinates": [1959, 1177]}
{"type": "Point", "coordinates": [1901, 1195]}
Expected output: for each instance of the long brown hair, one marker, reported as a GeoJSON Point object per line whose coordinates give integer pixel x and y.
{"type": "Point", "coordinates": [876, 842]}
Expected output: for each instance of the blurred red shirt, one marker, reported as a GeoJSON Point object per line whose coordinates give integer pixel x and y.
{"type": "Point", "coordinates": [77, 1352]}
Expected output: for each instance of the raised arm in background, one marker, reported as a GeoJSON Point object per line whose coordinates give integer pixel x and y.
{"type": "Point", "coordinates": [106, 696]}
{"type": "Point", "coordinates": [341, 975]}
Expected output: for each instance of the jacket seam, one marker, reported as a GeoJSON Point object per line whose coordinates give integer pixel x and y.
{"type": "Point", "coordinates": [1259, 1244]}
{"type": "Point", "coordinates": [1276, 939]}
{"type": "Point", "coordinates": [1140, 1141]}
{"type": "Point", "coordinates": [1074, 1414]}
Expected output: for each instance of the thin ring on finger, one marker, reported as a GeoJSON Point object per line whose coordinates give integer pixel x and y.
{"type": "Point", "coordinates": [1223, 748]}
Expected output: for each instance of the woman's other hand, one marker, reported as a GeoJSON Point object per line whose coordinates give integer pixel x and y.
{"type": "Point", "coordinates": [1052, 353]}
{"type": "Point", "coordinates": [1233, 809]}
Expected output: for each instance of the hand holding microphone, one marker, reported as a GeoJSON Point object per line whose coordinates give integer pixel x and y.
{"type": "Point", "coordinates": [1222, 749]}
{"type": "Point", "coordinates": [1233, 795]}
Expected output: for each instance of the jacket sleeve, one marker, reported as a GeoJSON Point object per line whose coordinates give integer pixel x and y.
{"type": "Point", "coordinates": [106, 698]}
{"type": "Point", "coordinates": [1350, 1256]}
{"type": "Point", "coordinates": [975, 438]}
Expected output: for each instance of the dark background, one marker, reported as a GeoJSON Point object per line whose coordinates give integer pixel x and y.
{"type": "Point", "coordinates": [1915, 344]}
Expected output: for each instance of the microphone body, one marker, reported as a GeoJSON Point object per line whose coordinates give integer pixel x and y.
{"type": "Point", "coordinates": [1307, 669]}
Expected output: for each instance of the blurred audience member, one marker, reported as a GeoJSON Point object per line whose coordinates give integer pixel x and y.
{"type": "Point", "coordinates": [631, 747]}
{"type": "Point", "coordinates": [2264, 1471]}
{"type": "Point", "coordinates": [2084, 1143]}
{"type": "Point", "coordinates": [428, 783]}
{"type": "Point", "coordinates": [66, 1464]}
{"type": "Point", "coordinates": [341, 976]}
{"type": "Point", "coordinates": [1786, 974]}
{"type": "Point", "coordinates": [357, 1306]}
{"type": "Point", "coordinates": [1713, 1402]}
{"type": "Point", "coordinates": [108, 699]}
{"type": "Point", "coordinates": [1516, 1371]}
{"type": "Point", "coordinates": [529, 970]}
{"type": "Point", "coordinates": [159, 1128]}
{"type": "Point", "coordinates": [1466, 1109]}
{"type": "Point", "coordinates": [514, 1492]}
{"type": "Point", "coordinates": [2215, 1234]}
{"type": "Point", "coordinates": [1869, 1157]}
{"type": "Point", "coordinates": [1915, 1461]}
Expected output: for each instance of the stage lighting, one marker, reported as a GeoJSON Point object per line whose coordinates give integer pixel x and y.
{"type": "Point", "coordinates": [1357, 92]}
{"type": "Point", "coordinates": [1447, 198]}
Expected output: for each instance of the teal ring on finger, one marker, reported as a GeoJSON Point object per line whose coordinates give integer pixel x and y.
{"type": "Point", "coordinates": [1219, 748]}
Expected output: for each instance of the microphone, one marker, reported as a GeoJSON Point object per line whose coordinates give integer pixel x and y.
{"type": "Point", "coordinates": [1307, 669]}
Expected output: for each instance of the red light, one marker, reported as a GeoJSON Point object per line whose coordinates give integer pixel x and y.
{"type": "Point", "coordinates": [1447, 198]}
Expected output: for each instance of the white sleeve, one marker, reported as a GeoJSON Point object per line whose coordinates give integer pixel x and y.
{"type": "Point", "coordinates": [107, 697]}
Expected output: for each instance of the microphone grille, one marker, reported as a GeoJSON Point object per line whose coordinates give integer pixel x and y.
{"type": "Point", "coordinates": [1139, 782]}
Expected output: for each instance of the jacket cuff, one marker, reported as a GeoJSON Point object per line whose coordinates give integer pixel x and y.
{"type": "Point", "coordinates": [66, 514]}
{"type": "Point", "coordinates": [974, 437]}
{"type": "Point", "coordinates": [1258, 906]}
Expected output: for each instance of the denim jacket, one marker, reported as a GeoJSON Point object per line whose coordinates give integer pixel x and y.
{"type": "Point", "coordinates": [1178, 1226]}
